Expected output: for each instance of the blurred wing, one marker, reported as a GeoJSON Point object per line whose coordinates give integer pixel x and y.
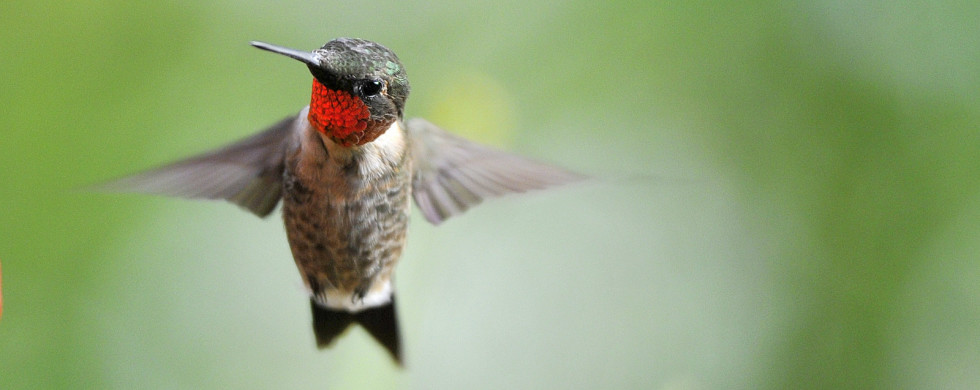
{"type": "Point", "coordinates": [453, 174]}
{"type": "Point", "coordinates": [247, 173]}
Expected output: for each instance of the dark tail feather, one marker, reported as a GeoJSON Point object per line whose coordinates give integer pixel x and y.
{"type": "Point", "coordinates": [328, 324]}
{"type": "Point", "coordinates": [380, 322]}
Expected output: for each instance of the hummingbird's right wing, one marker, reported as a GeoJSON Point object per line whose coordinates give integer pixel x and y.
{"type": "Point", "coordinates": [247, 173]}
{"type": "Point", "coordinates": [453, 174]}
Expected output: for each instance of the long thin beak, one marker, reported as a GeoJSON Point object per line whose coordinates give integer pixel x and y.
{"type": "Point", "coordinates": [306, 57]}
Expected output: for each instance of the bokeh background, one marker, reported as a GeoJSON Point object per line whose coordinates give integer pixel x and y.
{"type": "Point", "coordinates": [789, 196]}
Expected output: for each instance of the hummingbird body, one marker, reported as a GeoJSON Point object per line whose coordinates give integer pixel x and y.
{"type": "Point", "coordinates": [346, 169]}
{"type": "Point", "coordinates": [346, 214]}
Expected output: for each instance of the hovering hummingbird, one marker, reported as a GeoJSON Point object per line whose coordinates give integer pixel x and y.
{"type": "Point", "coordinates": [345, 168]}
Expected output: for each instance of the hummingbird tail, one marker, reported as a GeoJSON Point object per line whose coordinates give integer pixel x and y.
{"type": "Point", "coordinates": [380, 322]}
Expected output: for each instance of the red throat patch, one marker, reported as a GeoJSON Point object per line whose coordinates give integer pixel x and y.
{"type": "Point", "coordinates": [339, 115]}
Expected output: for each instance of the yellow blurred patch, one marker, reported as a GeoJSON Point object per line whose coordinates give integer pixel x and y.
{"type": "Point", "coordinates": [475, 106]}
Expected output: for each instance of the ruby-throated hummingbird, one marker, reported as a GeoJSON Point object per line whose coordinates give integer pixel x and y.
{"type": "Point", "coordinates": [345, 168]}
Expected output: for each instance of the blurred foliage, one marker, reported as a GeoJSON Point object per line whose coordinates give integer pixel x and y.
{"type": "Point", "coordinates": [791, 198]}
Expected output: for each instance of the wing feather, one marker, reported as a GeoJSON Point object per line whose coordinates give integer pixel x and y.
{"type": "Point", "coordinates": [247, 173]}
{"type": "Point", "coordinates": [453, 174]}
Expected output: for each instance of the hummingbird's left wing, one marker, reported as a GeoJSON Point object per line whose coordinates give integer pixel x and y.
{"type": "Point", "coordinates": [247, 173]}
{"type": "Point", "coordinates": [453, 174]}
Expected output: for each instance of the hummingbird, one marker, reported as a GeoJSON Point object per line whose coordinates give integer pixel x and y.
{"type": "Point", "coordinates": [346, 169]}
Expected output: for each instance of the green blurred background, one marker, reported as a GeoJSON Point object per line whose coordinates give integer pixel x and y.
{"type": "Point", "coordinates": [792, 197]}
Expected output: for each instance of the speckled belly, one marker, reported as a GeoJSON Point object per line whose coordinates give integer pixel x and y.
{"type": "Point", "coordinates": [347, 235]}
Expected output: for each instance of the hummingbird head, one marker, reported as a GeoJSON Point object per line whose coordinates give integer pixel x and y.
{"type": "Point", "coordinates": [359, 88]}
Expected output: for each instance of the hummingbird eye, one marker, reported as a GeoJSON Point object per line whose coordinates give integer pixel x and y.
{"type": "Point", "coordinates": [370, 87]}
